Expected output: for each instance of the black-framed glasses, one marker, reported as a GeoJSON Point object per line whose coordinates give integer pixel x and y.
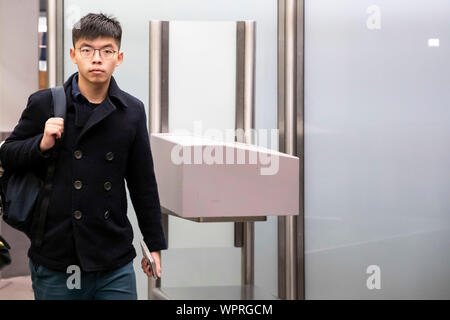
{"type": "Point", "coordinates": [88, 52]}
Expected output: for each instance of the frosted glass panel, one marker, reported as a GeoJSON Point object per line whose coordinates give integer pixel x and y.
{"type": "Point", "coordinates": [377, 174]}
{"type": "Point", "coordinates": [202, 75]}
{"type": "Point", "coordinates": [202, 87]}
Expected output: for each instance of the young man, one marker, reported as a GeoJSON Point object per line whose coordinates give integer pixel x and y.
{"type": "Point", "coordinates": [103, 142]}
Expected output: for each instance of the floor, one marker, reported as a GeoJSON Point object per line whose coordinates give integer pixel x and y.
{"type": "Point", "coordinates": [18, 288]}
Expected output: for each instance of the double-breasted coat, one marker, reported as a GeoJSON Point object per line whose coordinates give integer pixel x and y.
{"type": "Point", "coordinates": [87, 223]}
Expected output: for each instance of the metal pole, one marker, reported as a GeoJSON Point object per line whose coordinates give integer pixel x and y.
{"type": "Point", "coordinates": [290, 123]}
{"type": "Point", "coordinates": [290, 231]}
{"type": "Point", "coordinates": [155, 76]}
{"type": "Point", "coordinates": [55, 43]}
{"type": "Point", "coordinates": [248, 249]}
{"type": "Point", "coordinates": [245, 120]}
{"type": "Point", "coordinates": [158, 120]}
{"type": "Point", "coordinates": [300, 152]}
{"type": "Point", "coordinates": [155, 106]}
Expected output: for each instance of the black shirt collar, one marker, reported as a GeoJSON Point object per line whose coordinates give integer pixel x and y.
{"type": "Point", "coordinates": [114, 91]}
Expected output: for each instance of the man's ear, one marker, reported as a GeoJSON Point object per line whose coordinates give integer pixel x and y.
{"type": "Point", "coordinates": [72, 55]}
{"type": "Point", "coordinates": [119, 59]}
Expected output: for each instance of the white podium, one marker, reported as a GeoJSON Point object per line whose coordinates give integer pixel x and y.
{"type": "Point", "coordinates": [208, 180]}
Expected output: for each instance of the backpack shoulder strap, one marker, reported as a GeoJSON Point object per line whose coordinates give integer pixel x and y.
{"type": "Point", "coordinates": [59, 108]}
{"type": "Point", "coordinates": [59, 101]}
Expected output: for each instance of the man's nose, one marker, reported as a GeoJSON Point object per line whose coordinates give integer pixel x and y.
{"type": "Point", "coordinates": [96, 57]}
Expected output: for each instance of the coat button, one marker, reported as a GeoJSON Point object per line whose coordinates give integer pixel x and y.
{"type": "Point", "coordinates": [109, 156]}
{"type": "Point", "coordinates": [77, 214]}
{"type": "Point", "coordinates": [106, 215]}
{"type": "Point", "coordinates": [78, 184]}
{"type": "Point", "coordinates": [107, 185]}
{"type": "Point", "coordinates": [78, 154]}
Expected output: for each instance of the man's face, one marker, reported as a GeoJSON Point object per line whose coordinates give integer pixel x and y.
{"type": "Point", "coordinates": [98, 67]}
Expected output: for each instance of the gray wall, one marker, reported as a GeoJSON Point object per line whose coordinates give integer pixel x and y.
{"type": "Point", "coordinates": [377, 174]}
{"type": "Point", "coordinates": [18, 58]}
{"type": "Point", "coordinates": [18, 79]}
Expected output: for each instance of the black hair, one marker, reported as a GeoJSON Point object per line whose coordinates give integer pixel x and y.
{"type": "Point", "coordinates": [95, 25]}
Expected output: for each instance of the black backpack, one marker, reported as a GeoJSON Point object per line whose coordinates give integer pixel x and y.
{"type": "Point", "coordinates": [19, 191]}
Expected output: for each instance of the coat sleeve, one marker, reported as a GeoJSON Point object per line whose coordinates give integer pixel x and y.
{"type": "Point", "coordinates": [141, 182]}
{"type": "Point", "coordinates": [21, 151]}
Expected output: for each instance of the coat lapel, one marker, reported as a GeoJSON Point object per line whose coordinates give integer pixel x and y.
{"type": "Point", "coordinates": [99, 113]}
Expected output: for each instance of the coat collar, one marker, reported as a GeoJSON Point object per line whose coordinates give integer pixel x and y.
{"type": "Point", "coordinates": [100, 112]}
{"type": "Point", "coordinates": [114, 91]}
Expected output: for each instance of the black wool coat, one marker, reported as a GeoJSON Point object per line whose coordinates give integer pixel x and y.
{"type": "Point", "coordinates": [87, 222]}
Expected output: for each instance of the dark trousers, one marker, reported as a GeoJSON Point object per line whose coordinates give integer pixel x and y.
{"type": "Point", "coordinates": [118, 284]}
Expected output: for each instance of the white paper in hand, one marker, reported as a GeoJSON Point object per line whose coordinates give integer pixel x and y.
{"type": "Point", "coordinates": [149, 258]}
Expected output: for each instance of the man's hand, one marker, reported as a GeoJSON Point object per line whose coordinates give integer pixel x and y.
{"type": "Point", "coordinates": [146, 265]}
{"type": "Point", "coordinates": [54, 128]}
